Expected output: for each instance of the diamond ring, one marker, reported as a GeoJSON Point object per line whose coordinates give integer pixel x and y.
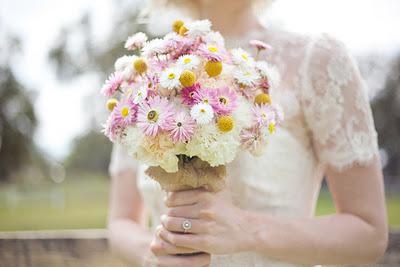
{"type": "Point", "coordinates": [186, 225]}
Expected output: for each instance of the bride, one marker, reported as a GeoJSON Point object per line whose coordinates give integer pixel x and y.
{"type": "Point", "coordinates": [265, 217]}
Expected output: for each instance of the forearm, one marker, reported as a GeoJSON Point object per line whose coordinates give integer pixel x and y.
{"type": "Point", "coordinates": [129, 240]}
{"type": "Point", "coordinates": [336, 239]}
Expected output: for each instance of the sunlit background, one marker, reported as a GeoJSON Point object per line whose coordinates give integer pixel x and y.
{"type": "Point", "coordinates": [54, 56]}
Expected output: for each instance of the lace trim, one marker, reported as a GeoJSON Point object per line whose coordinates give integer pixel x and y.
{"type": "Point", "coordinates": [335, 106]}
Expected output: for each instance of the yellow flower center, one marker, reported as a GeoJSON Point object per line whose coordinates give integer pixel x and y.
{"type": "Point", "coordinates": [271, 128]}
{"type": "Point", "coordinates": [111, 103]}
{"type": "Point", "coordinates": [183, 30]}
{"type": "Point", "coordinates": [223, 100]}
{"type": "Point", "coordinates": [245, 57]}
{"type": "Point", "coordinates": [187, 60]}
{"type": "Point", "coordinates": [202, 110]}
{"type": "Point", "coordinates": [152, 116]}
{"type": "Point", "coordinates": [125, 111]}
{"type": "Point", "coordinates": [140, 65]}
{"type": "Point", "coordinates": [225, 124]}
{"type": "Point", "coordinates": [171, 76]}
{"type": "Point", "coordinates": [213, 49]}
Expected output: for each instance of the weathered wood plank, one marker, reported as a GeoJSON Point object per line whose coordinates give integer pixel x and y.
{"type": "Point", "coordinates": [88, 248]}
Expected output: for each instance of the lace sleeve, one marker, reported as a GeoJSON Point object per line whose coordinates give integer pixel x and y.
{"type": "Point", "coordinates": [120, 161]}
{"type": "Point", "coordinates": [336, 106]}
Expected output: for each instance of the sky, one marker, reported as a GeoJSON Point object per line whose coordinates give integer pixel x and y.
{"type": "Point", "coordinates": [365, 26]}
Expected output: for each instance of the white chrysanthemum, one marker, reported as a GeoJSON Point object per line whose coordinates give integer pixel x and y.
{"type": "Point", "coordinates": [139, 94]}
{"type": "Point", "coordinates": [213, 146]}
{"type": "Point", "coordinates": [136, 41]}
{"type": "Point", "coordinates": [270, 72]}
{"type": "Point", "coordinates": [202, 113]}
{"type": "Point", "coordinates": [241, 57]}
{"type": "Point", "coordinates": [246, 76]}
{"type": "Point", "coordinates": [215, 38]}
{"type": "Point", "coordinates": [123, 62]}
{"type": "Point", "coordinates": [153, 47]}
{"type": "Point", "coordinates": [243, 114]}
{"type": "Point", "coordinates": [188, 62]}
{"type": "Point", "coordinates": [159, 151]}
{"type": "Point", "coordinates": [198, 28]}
{"type": "Point", "coordinates": [132, 139]}
{"type": "Point", "coordinates": [170, 78]}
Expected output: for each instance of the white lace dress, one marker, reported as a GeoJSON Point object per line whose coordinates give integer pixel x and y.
{"type": "Point", "coordinates": [328, 121]}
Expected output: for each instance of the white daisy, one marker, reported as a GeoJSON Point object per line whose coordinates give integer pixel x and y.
{"type": "Point", "coordinates": [246, 76]}
{"type": "Point", "coordinates": [215, 38]}
{"type": "Point", "coordinates": [136, 41]}
{"type": "Point", "coordinates": [188, 62]}
{"type": "Point", "coordinates": [153, 47]}
{"type": "Point", "coordinates": [123, 62]}
{"type": "Point", "coordinates": [139, 94]}
{"type": "Point", "coordinates": [270, 72]}
{"type": "Point", "coordinates": [198, 28]}
{"type": "Point", "coordinates": [170, 78]}
{"type": "Point", "coordinates": [241, 57]}
{"type": "Point", "coordinates": [202, 113]}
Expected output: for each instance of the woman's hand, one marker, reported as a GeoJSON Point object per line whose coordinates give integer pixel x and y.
{"type": "Point", "coordinates": [165, 254]}
{"type": "Point", "coordinates": [217, 226]}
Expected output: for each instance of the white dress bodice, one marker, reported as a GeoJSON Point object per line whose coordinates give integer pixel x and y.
{"type": "Point", "coordinates": [328, 121]}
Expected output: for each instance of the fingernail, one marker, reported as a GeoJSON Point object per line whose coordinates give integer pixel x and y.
{"type": "Point", "coordinates": [163, 217]}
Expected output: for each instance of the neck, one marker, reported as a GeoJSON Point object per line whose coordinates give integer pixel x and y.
{"type": "Point", "coordinates": [232, 18]}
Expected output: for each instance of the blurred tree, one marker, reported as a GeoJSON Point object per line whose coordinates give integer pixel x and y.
{"type": "Point", "coordinates": [90, 152]}
{"type": "Point", "coordinates": [386, 110]}
{"type": "Point", "coordinates": [17, 116]}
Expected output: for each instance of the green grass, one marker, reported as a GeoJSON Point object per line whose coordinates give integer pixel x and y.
{"type": "Point", "coordinates": [326, 206]}
{"type": "Point", "coordinates": [82, 202]}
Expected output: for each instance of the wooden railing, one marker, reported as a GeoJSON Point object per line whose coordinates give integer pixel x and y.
{"type": "Point", "coordinates": [88, 248]}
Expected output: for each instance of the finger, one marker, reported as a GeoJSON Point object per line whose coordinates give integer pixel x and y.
{"type": "Point", "coordinates": [186, 197]}
{"type": "Point", "coordinates": [193, 241]}
{"type": "Point", "coordinates": [189, 211]}
{"type": "Point", "coordinates": [175, 224]}
{"type": "Point", "coordinates": [159, 247]}
{"type": "Point", "coordinates": [197, 260]}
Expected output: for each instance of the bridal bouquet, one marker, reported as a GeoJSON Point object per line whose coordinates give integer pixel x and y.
{"type": "Point", "coordinates": [185, 105]}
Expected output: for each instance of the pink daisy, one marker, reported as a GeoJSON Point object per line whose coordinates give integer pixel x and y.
{"type": "Point", "coordinates": [260, 45]}
{"type": "Point", "coordinates": [154, 115]}
{"type": "Point", "coordinates": [204, 95]}
{"type": "Point", "coordinates": [224, 100]}
{"type": "Point", "coordinates": [112, 84]}
{"type": "Point", "coordinates": [136, 41]}
{"type": "Point", "coordinates": [177, 45]}
{"type": "Point", "coordinates": [112, 129]}
{"type": "Point", "coordinates": [125, 112]}
{"type": "Point", "coordinates": [251, 139]}
{"type": "Point", "coordinates": [181, 127]}
{"type": "Point", "coordinates": [263, 115]}
{"type": "Point", "coordinates": [211, 52]}
{"type": "Point", "coordinates": [188, 93]}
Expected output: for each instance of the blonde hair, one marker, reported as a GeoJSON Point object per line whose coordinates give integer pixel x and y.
{"type": "Point", "coordinates": [159, 13]}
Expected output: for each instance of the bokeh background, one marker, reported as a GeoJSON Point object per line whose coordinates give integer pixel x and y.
{"type": "Point", "coordinates": [54, 56]}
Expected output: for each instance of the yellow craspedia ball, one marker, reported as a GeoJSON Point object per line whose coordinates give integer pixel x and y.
{"type": "Point", "coordinates": [225, 123]}
{"type": "Point", "coordinates": [140, 65]}
{"type": "Point", "coordinates": [111, 103]}
{"type": "Point", "coordinates": [183, 30]}
{"type": "Point", "coordinates": [262, 99]}
{"type": "Point", "coordinates": [213, 68]}
{"type": "Point", "coordinates": [176, 26]}
{"type": "Point", "coordinates": [187, 78]}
